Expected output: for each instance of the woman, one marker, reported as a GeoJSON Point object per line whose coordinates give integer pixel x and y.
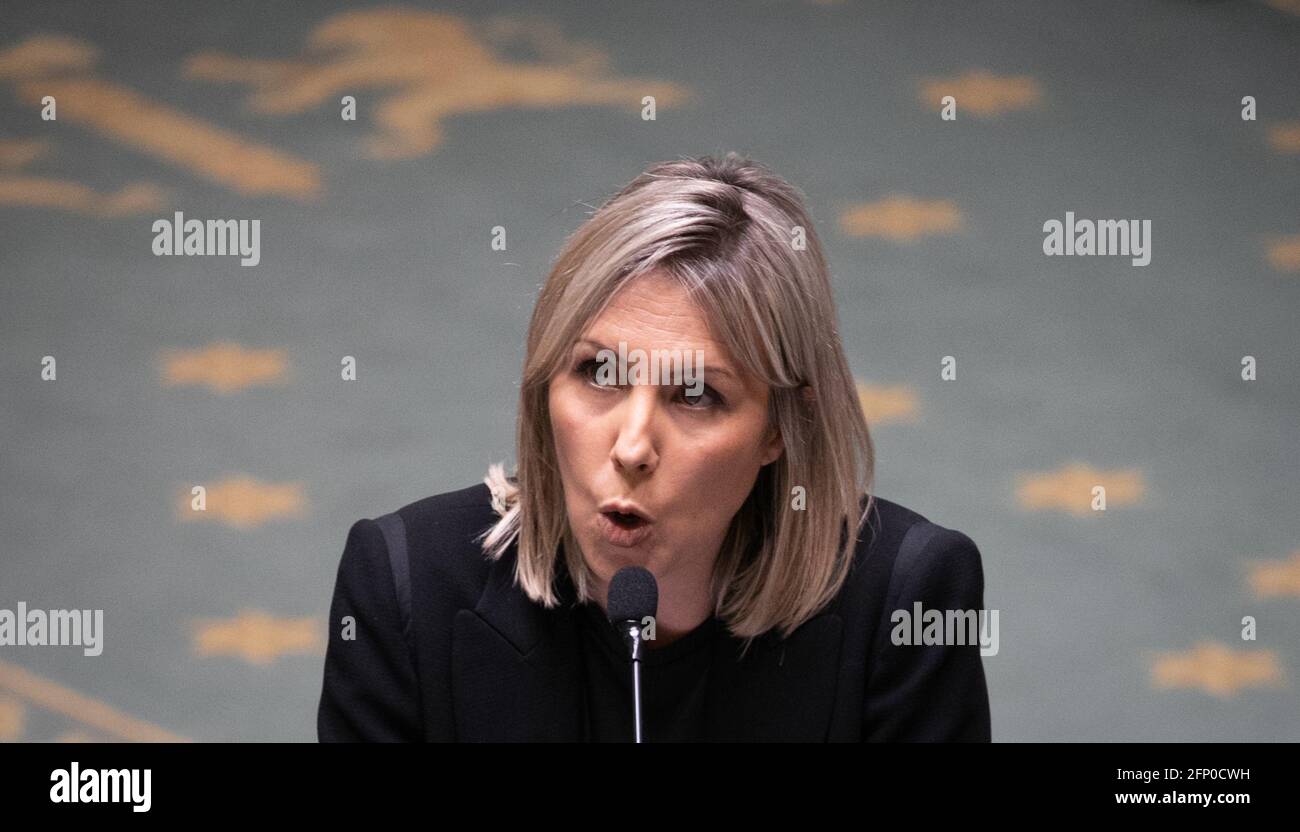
{"type": "Point", "coordinates": [735, 478]}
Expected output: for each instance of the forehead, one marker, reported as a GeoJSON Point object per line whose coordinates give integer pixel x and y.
{"type": "Point", "coordinates": [655, 311]}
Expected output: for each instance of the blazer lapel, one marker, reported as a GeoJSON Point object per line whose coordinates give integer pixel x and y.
{"type": "Point", "coordinates": [516, 669]}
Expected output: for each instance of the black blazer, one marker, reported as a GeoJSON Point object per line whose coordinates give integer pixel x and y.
{"type": "Point", "coordinates": [480, 661]}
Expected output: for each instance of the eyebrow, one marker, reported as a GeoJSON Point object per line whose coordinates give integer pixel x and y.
{"type": "Point", "coordinates": [718, 369]}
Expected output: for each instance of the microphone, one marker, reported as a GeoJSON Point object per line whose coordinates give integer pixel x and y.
{"type": "Point", "coordinates": [633, 595]}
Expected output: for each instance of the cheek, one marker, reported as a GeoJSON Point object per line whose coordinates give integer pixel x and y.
{"type": "Point", "coordinates": [721, 468]}
{"type": "Point", "coordinates": [570, 425]}
{"type": "Point", "coordinates": [562, 423]}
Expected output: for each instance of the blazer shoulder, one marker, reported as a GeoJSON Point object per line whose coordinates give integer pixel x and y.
{"type": "Point", "coordinates": [890, 522]}
{"type": "Point", "coordinates": [445, 513]}
{"type": "Point", "coordinates": [443, 534]}
{"type": "Point", "coordinates": [932, 552]}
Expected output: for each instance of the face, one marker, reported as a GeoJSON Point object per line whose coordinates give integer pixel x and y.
{"type": "Point", "coordinates": [683, 456]}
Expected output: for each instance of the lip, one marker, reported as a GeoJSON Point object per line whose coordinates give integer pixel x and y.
{"type": "Point", "coordinates": [621, 537]}
{"type": "Point", "coordinates": [626, 507]}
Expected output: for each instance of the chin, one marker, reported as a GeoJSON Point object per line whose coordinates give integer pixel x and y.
{"type": "Point", "coordinates": [611, 558]}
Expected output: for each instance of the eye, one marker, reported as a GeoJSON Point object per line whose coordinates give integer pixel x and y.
{"type": "Point", "coordinates": [708, 396]}
{"type": "Point", "coordinates": [587, 370]}
{"type": "Point", "coordinates": [707, 399]}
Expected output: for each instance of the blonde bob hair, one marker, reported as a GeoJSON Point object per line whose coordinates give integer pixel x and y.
{"type": "Point", "coordinates": [738, 239]}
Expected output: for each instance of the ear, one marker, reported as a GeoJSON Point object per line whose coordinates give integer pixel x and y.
{"type": "Point", "coordinates": [773, 447]}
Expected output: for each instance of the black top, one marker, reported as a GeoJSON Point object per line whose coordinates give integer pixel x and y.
{"type": "Point", "coordinates": [674, 679]}
{"type": "Point", "coordinates": [448, 647]}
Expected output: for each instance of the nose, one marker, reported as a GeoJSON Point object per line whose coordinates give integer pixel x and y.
{"type": "Point", "coordinates": [635, 450]}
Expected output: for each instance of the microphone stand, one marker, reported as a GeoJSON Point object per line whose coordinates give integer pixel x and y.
{"type": "Point", "coordinates": [632, 634]}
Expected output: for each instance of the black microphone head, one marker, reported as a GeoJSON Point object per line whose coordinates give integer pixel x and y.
{"type": "Point", "coordinates": [633, 594]}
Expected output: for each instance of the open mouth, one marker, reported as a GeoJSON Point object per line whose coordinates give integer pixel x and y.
{"type": "Point", "coordinates": [625, 521]}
